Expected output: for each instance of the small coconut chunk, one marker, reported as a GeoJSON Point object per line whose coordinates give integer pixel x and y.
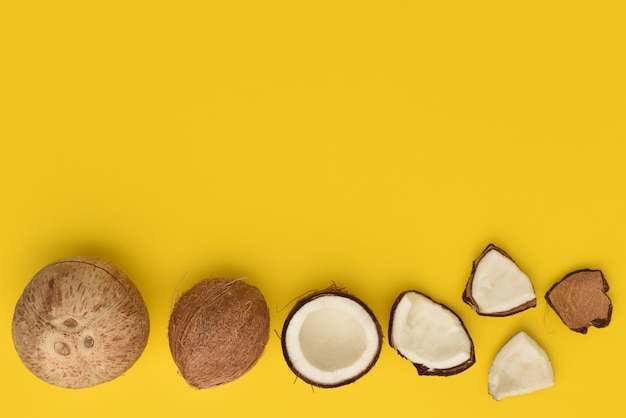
{"type": "Point", "coordinates": [430, 335]}
{"type": "Point", "coordinates": [497, 286]}
{"type": "Point", "coordinates": [520, 367]}
{"type": "Point", "coordinates": [580, 300]}
{"type": "Point", "coordinates": [331, 339]}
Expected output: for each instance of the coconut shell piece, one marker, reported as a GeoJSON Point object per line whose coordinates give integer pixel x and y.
{"type": "Point", "coordinates": [80, 322]}
{"type": "Point", "coordinates": [218, 331]}
{"type": "Point", "coordinates": [430, 335]}
{"type": "Point", "coordinates": [580, 300]}
{"type": "Point", "coordinates": [497, 286]}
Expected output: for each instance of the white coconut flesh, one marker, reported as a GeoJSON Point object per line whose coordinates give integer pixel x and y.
{"type": "Point", "coordinates": [331, 340]}
{"type": "Point", "coordinates": [499, 285]}
{"type": "Point", "coordinates": [520, 367]}
{"type": "Point", "coordinates": [429, 334]}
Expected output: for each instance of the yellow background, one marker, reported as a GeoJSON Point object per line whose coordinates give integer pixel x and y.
{"type": "Point", "coordinates": [377, 144]}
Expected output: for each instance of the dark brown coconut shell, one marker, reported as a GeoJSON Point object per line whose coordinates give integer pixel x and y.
{"type": "Point", "coordinates": [332, 291]}
{"type": "Point", "coordinates": [469, 299]}
{"type": "Point", "coordinates": [424, 370]}
{"type": "Point", "coordinates": [80, 322]}
{"type": "Point", "coordinates": [218, 331]}
{"type": "Point", "coordinates": [580, 300]}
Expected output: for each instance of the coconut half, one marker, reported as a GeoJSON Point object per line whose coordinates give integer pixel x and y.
{"type": "Point", "coordinates": [520, 367]}
{"type": "Point", "coordinates": [80, 322]}
{"type": "Point", "coordinates": [331, 339]}
{"type": "Point", "coordinates": [497, 286]}
{"type": "Point", "coordinates": [430, 335]}
{"type": "Point", "coordinates": [581, 301]}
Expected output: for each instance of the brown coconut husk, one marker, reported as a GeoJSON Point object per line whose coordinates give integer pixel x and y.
{"type": "Point", "coordinates": [218, 331]}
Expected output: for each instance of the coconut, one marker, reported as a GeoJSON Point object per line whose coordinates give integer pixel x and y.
{"type": "Point", "coordinates": [497, 286]}
{"type": "Point", "coordinates": [331, 338]}
{"type": "Point", "coordinates": [80, 322]}
{"type": "Point", "coordinates": [580, 300]}
{"type": "Point", "coordinates": [218, 331]}
{"type": "Point", "coordinates": [430, 335]}
{"type": "Point", "coordinates": [520, 367]}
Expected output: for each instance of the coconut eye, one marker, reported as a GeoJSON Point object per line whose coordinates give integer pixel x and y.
{"type": "Point", "coordinates": [70, 323]}
{"type": "Point", "coordinates": [62, 348]}
{"type": "Point", "coordinates": [88, 342]}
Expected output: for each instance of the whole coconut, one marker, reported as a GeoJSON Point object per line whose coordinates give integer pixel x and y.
{"type": "Point", "coordinates": [80, 322]}
{"type": "Point", "coordinates": [218, 331]}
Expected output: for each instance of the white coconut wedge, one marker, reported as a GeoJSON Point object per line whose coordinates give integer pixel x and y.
{"type": "Point", "coordinates": [430, 335]}
{"type": "Point", "coordinates": [497, 286]}
{"type": "Point", "coordinates": [520, 367]}
{"type": "Point", "coordinates": [331, 339]}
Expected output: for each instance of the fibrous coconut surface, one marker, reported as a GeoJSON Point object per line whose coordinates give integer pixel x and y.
{"type": "Point", "coordinates": [218, 331]}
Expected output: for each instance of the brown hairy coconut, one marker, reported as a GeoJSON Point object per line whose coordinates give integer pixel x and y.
{"type": "Point", "coordinates": [218, 331]}
{"type": "Point", "coordinates": [80, 322]}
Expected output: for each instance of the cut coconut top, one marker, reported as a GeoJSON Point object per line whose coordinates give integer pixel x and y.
{"type": "Point", "coordinates": [331, 339]}
{"type": "Point", "coordinates": [497, 286]}
{"type": "Point", "coordinates": [430, 335]}
{"type": "Point", "coordinates": [521, 366]}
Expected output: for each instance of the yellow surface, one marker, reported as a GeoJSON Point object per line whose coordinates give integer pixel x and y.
{"type": "Point", "coordinates": [377, 144]}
